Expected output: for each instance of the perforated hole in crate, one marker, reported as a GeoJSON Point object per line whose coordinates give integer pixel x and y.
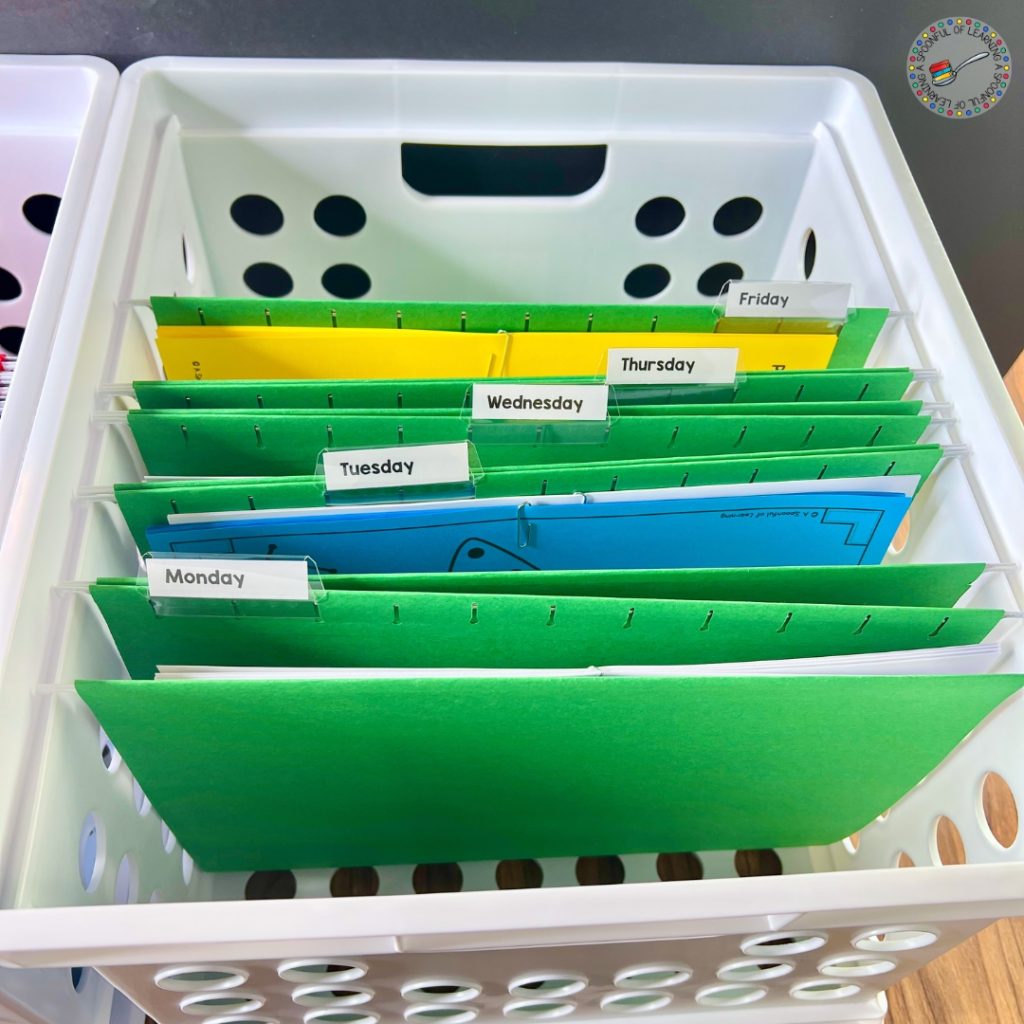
{"type": "Point", "coordinates": [237, 1018]}
{"type": "Point", "coordinates": [538, 1009]}
{"type": "Point", "coordinates": [199, 978]}
{"type": "Point", "coordinates": [428, 1013]}
{"type": "Point", "coordinates": [10, 286]}
{"type": "Point", "coordinates": [679, 867]}
{"type": "Point", "coordinates": [333, 995]}
{"type": "Point", "coordinates": [518, 874]}
{"type": "Point", "coordinates": [108, 753]}
{"type": "Point", "coordinates": [716, 277]}
{"type": "Point", "coordinates": [355, 882]}
{"type": "Point", "coordinates": [167, 839]}
{"type": "Point", "coordinates": [41, 211]}
{"type": "Point", "coordinates": [271, 885]}
{"type": "Point", "coordinates": [341, 1017]}
{"type": "Point", "coordinates": [547, 984]}
{"type": "Point", "coordinates": [126, 881]}
{"type": "Point", "coordinates": [653, 975]}
{"type": "Point", "coordinates": [856, 966]}
{"type": "Point", "coordinates": [340, 215]}
{"type": "Point", "coordinates": [257, 214]}
{"type": "Point", "coordinates": [346, 281]}
{"type": "Point", "coordinates": [214, 1004]}
{"type": "Point", "coordinates": [321, 970]}
{"type": "Point", "coordinates": [607, 870]}
{"type": "Point", "coordinates": [635, 1002]}
{"type": "Point", "coordinates": [784, 943]}
{"type": "Point", "coordinates": [10, 339]}
{"type": "Point", "coordinates": [893, 940]}
{"type": "Point", "coordinates": [751, 863]}
{"type": "Point", "coordinates": [437, 878]}
{"type": "Point", "coordinates": [997, 811]}
{"type": "Point", "coordinates": [268, 280]}
{"type": "Point", "coordinates": [730, 995]}
{"type": "Point", "coordinates": [754, 970]}
{"type": "Point", "coordinates": [660, 216]}
{"type": "Point", "coordinates": [646, 281]}
{"type": "Point", "coordinates": [142, 804]}
{"type": "Point", "coordinates": [440, 990]}
{"type": "Point", "coordinates": [92, 852]}
{"type": "Point", "coordinates": [823, 991]}
{"type": "Point", "coordinates": [810, 252]}
{"type": "Point", "coordinates": [738, 215]}
{"type": "Point", "coordinates": [947, 845]}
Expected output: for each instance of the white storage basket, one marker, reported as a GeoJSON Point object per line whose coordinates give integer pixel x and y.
{"type": "Point", "coordinates": [53, 115]}
{"type": "Point", "coordinates": [188, 137]}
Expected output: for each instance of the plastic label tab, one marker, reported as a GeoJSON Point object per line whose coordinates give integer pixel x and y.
{"type": "Point", "coordinates": [672, 365]}
{"type": "Point", "coordinates": [228, 579]}
{"type": "Point", "coordinates": [397, 466]}
{"type": "Point", "coordinates": [802, 300]}
{"type": "Point", "coordinates": [540, 401]}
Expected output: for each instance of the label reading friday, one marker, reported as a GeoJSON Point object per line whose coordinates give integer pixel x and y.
{"type": "Point", "coordinates": [763, 299]}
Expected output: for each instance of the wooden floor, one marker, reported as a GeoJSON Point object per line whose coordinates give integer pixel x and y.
{"type": "Point", "coordinates": [982, 981]}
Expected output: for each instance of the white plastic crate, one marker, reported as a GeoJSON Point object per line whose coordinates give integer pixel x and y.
{"type": "Point", "coordinates": [53, 115]}
{"type": "Point", "coordinates": [188, 137]}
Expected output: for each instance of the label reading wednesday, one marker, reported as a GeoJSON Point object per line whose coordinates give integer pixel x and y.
{"type": "Point", "coordinates": [802, 300]}
{"type": "Point", "coordinates": [228, 578]}
{"type": "Point", "coordinates": [406, 465]}
{"type": "Point", "coordinates": [540, 401]}
{"type": "Point", "coordinates": [672, 365]}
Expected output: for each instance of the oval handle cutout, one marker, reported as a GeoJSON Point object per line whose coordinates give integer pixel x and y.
{"type": "Point", "coordinates": [454, 170]}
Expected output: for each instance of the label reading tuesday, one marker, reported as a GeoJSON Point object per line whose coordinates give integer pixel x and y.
{"type": "Point", "coordinates": [407, 465]}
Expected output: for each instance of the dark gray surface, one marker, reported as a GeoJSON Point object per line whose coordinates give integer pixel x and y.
{"type": "Point", "coordinates": [971, 173]}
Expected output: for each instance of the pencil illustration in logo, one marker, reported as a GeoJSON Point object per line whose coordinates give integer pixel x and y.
{"type": "Point", "coordinates": [943, 72]}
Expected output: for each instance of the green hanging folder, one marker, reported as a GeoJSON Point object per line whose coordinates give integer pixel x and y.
{"type": "Point", "coordinates": [909, 585]}
{"type": "Point", "coordinates": [855, 340]}
{"type": "Point", "coordinates": [488, 769]}
{"type": "Point", "coordinates": [149, 503]}
{"type": "Point", "coordinates": [898, 407]}
{"type": "Point", "coordinates": [878, 384]}
{"type": "Point", "coordinates": [411, 629]}
{"type": "Point", "coordinates": [276, 443]}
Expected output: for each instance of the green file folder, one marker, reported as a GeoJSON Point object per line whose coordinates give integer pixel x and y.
{"type": "Point", "coordinates": [149, 504]}
{"type": "Point", "coordinates": [275, 442]}
{"type": "Point", "coordinates": [878, 384]}
{"type": "Point", "coordinates": [325, 773]}
{"type": "Point", "coordinates": [856, 336]}
{"type": "Point", "coordinates": [403, 629]}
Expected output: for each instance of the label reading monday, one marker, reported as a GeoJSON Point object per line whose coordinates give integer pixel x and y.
{"type": "Point", "coordinates": [407, 465]}
{"type": "Point", "coordinates": [672, 365]}
{"type": "Point", "coordinates": [806, 300]}
{"type": "Point", "coordinates": [540, 401]}
{"type": "Point", "coordinates": [230, 578]}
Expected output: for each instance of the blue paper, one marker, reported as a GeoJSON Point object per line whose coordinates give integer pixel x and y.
{"type": "Point", "coordinates": [794, 529]}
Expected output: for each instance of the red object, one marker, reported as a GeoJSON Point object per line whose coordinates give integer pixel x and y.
{"type": "Point", "coordinates": [941, 66]}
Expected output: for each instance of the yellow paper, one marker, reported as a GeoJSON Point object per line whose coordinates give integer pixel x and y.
{"type": "Point", "coordinates": [339, 353]}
